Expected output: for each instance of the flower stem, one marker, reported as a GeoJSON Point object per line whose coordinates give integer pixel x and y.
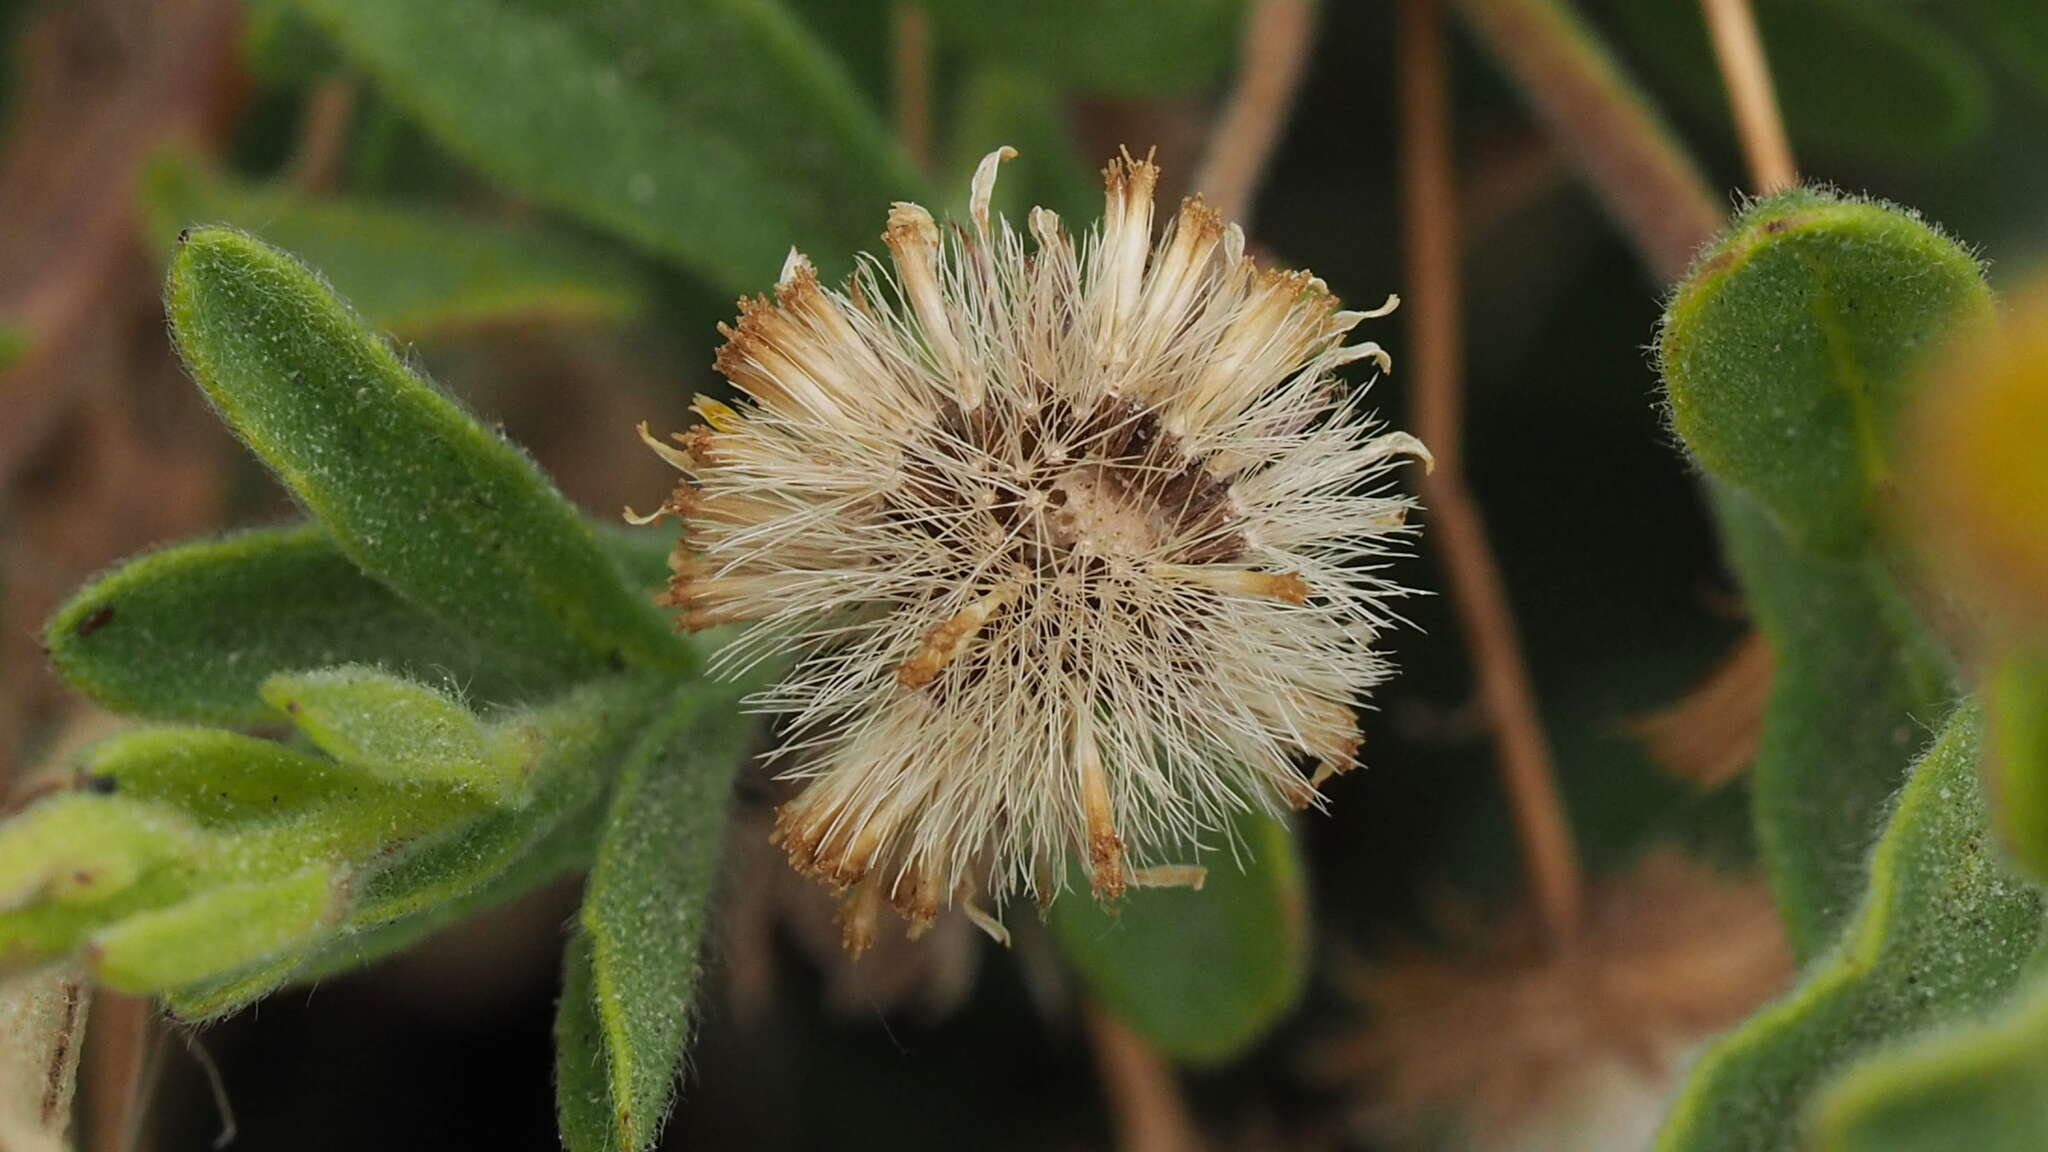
{"type": "Point", "coordinates": [1145, 1099]}
{"type": "Point", "coordinates": [1747, 73]}
{"type": "Point", "coordinates": [1429, 207]}
{"type": "Point", "coordinates": [323, 134]}
{"type": "Point", "coordinates": [1626, 152]}
{"type": "Point", "coordinates": [911, 77]}
{"type": "Point", "coordinates": [1278, 38]}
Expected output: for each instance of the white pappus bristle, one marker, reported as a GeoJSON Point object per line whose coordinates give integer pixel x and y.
{"type": "Point", "coordinates": [1075, 547]}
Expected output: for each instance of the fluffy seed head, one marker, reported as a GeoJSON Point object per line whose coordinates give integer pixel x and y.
{"type": "Point", "coordinates": [1071, 546]}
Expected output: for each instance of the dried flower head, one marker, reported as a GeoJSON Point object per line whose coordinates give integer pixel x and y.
{"type": "Point", "coordinates": [1523, 1046]}
{"type": "Point", "coordinates": [1072, 546]}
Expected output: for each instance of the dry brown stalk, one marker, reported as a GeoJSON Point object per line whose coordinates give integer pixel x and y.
{"type": "Point", "coordinates": [1747, 73]}
{"type": "Point", "coordinates": [1429, 207]}
{"type": "Point", "coordinates": [1279, 36]}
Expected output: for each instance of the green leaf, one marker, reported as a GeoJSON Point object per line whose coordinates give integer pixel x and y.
{"type": "Point", "coordinates": [472, 856]}
{"type": "Point", "coordinates": [493, 861]}
{"type": "Point", "coordinates": [1787, 354]}
{"type": "Point", "coordinates": [398, 730]}
{"type": "Point", "coordinates": [633, 966]}
{"type": "Point", "coordinates": [714, 132]}
{"type": "Point", "coordinates": [1202, 974]}
{"type": "Point", "coordinates": [1979, 1086]}
{"type": "Point", "coordinates": [216, 906]}
{"type": "Point", "coordinates": [188, 633]}
{"type": "Point", "coordinates": [222, 928]}
{"type": "Point", "coordinates": [83, 849]}
{"type": "Point", "coordinates": [411, 270]}
{"type": "Point", "coordinates": [468, 866]}
{"type": "Point", "coordinates": [449, 516]}
{"type": "Point", "coordinates": [584, 1090]}
{"type": "Point", "coordinates": [1896, 87]}
{"type": "Point", "coordinates": [1943, 931]}
{"type": "Point", "coordinates": [1116, 47]}
{"type": "Point", "coordinates": [2016, 712]}
{"type": "Point", "coordinates": [1857, 684]}
{"type": "Point", "coordinates": [13, 345]}
{"type": "Point", "coordinates": [281, 47]}
{"type": "Point", "coordinates": [1004, 106]}
{"type": "Point", "coordinates": [2013, 32]}
{"type": "Point", "coordinates": [221, 996]}
{"type": "Point", "coordinates": [216, 778]}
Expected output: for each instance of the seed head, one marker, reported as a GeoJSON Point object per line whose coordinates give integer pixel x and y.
{"type": "Point", "coordinates": [1072, 547]}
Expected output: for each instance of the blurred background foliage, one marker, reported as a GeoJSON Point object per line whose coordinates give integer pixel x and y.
{"type": "Point", "coordinates": [551, 206]}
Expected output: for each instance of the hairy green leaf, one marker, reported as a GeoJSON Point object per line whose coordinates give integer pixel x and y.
{"type": "Point", "coordinates": [466, 867]}
{"type": "Point", "coordinates": [449, 516]}
{"type": "Point", "coordinates": [1978, 1086]}
{"type": "Point", "coordinates": [490, 862]}
{"type": "Point", "coordinates": [225, 927]}
{"type": "Point", "coordinates": [1787, 354]}
{"type": "Point", "coordinates": [1896, 87]}
{"type": "Point", "coordinates": [217, 778]}
{"type": "Point", "coordinates": [1858, 684]}
{"type": "Point", "coordinates": [1114, 47]}
{"type": "Point", "coordinates": [633, 966]}
{"type": "Point", "coordinates": [1943, 931]}
{"type": "Point", "coordinates": [412, 270]}
{"type": "Point", "coordinates": [212, 899]}
{"type": "Point", "coordinates": [83, 849]}
{"type": "Point", "coordinates": [217, 996]}
{"type": "Point", "coordinates": [580, 741]}
{"type": "Point", "coordinates": [189, 633]}
{"type": "Point", "coordinates": [398, 730]}
{"type": "Point", "coordinates": [714, 132]}
{"type": "Point", "coordinates": [1202, 974]}
{"type": "Point", "coordinates": [2016, 712]}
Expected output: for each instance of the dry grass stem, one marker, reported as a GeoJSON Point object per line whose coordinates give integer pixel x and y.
{"type": "Point", "coordinates": [1279, 36]}
{"type": "Point", "coordinates": [1429, 206]}
{"type": "Point", "coordinates": [1747, 73]}
{"type": "Point", "coordinates": [1625, 151]}
{"type": "Point", "coordinates": [323, 134]}
{"type": "Point", "coordinates": [1144, 1097]}
{"type": "Point", "coordinates": [911, 81]}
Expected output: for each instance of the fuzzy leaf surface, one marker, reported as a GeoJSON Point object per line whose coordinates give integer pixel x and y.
{"type": "Point", "coordinates": [452, 518]}
{"type": "Point", "coordinates": [2016, 707]}
{"type": "Point", "coordinates": [411, 270]}
{"type": "Point", "coordinates": [399, 730]}
{"type": "Point", "coordinates": [229, 926]}
{"type": "Point", "coordinates": [1201, 974]}
{"type": "Point", "coordinates": [217, 778]}
{"type": "Point", "coordinates": [1978, 1086]}
{"type": "Point", "coordinates": [1787, 354]}
{"type": "Point", "coordinates": [189, 633]}
{"type": "Point", "coordinates": [633, 966]}
{"type": "Point", "coordinates": [715, 133]}
{"type": "Point", "coordinates": [214, 900]}
{"type": "Point", "coordinates": [1943, 931]}
{"type": "Point", "coordinates": [1857, 686]}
